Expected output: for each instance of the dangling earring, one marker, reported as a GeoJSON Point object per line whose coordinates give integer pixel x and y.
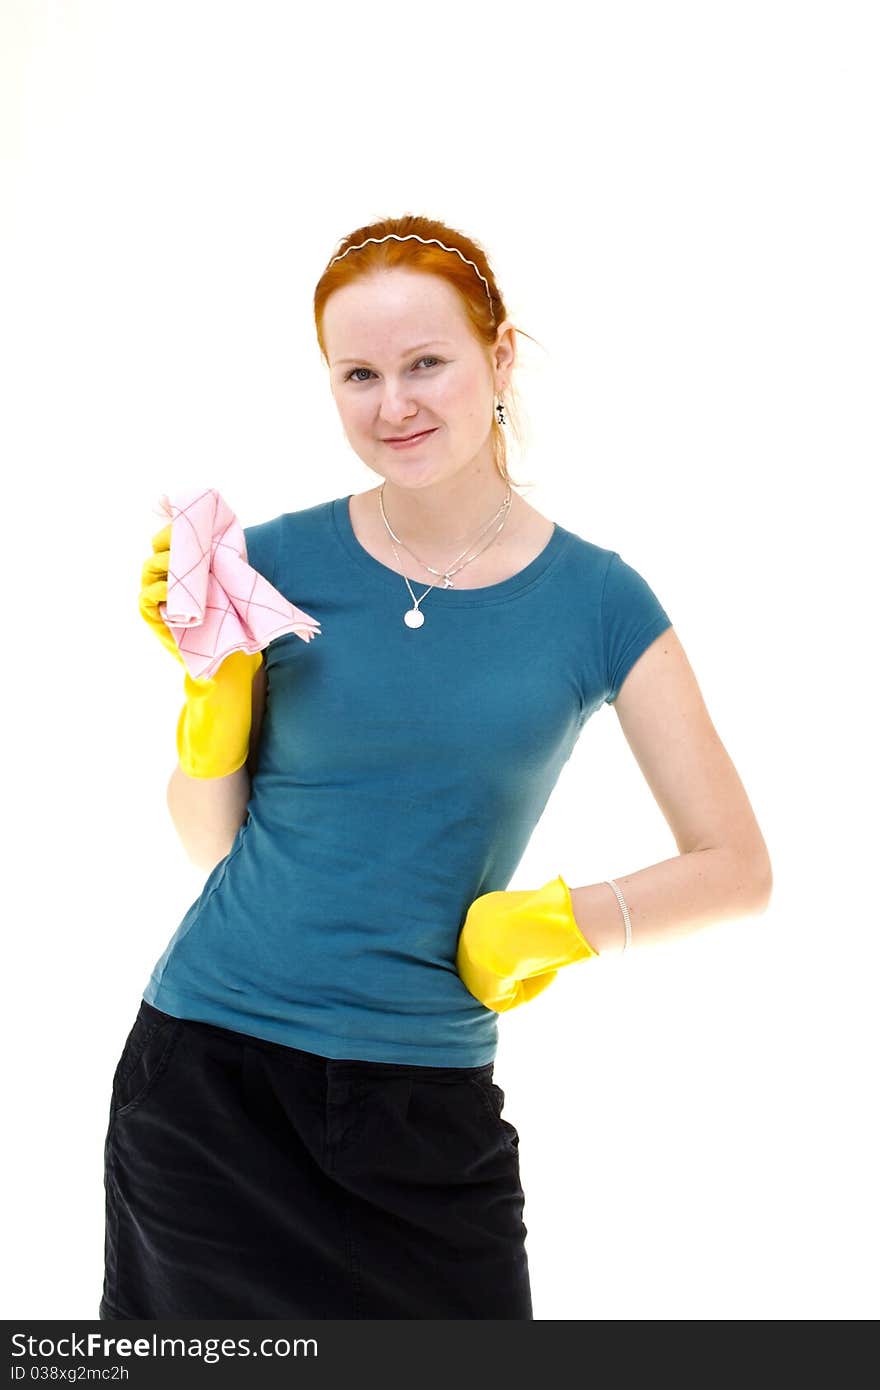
{"type": "Point", "coordinates": [500, 408]}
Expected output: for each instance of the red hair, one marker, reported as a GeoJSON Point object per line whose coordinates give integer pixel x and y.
{"type": "Point", "coordinates": [481, 299]}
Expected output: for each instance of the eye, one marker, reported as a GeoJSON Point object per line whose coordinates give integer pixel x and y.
{"type": "Point", "coordinates": [355, 370]}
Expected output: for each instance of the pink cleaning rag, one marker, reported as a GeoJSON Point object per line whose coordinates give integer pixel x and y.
{"type": "Point", "coordinates": [217, 603]}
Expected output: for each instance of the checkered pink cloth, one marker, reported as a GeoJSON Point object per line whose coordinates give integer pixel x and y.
{"type": "Point", "coordinates": [217, 603]}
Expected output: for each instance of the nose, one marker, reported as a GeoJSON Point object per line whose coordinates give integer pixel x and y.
{"type": "Point", "coordinates": [397, 410]}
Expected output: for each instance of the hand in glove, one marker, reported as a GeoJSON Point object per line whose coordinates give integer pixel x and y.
{"type": "Point", "coordinates": [513, 943]}
{"type": "Point", "coordinates": [213, 731]}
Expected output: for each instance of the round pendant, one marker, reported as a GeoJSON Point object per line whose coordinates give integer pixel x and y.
{"type": "Point", "coordinates": [414, 617]}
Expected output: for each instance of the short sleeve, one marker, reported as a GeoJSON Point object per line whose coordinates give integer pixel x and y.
{"type": "Point", "coordinates": [632, 617]}
{"type": "Point", "coordinates": [261, 542]}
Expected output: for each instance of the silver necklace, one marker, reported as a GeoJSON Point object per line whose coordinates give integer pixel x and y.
{"type": "Point", "coordinates": [446, 575]}
{"type": "Point", "coordinates": [414, 617]}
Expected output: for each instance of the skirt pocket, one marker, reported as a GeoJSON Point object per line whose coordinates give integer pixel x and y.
{"type": "Point", "coordinates": [492, 1097]}
{"type": "Point", "coordinates": [145, 1057]}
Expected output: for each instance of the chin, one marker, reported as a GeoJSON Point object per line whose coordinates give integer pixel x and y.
{"type": "Point", "coordinates": [418, 477]}
{"type": "Point", "coordinates": [410, 472]}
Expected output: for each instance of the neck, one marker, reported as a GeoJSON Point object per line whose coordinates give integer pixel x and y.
{"type": "Point", "coordinates": [444, 515]}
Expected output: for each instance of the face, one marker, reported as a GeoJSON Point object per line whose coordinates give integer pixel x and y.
{"type": "Point", "coordinates": [403, 359]}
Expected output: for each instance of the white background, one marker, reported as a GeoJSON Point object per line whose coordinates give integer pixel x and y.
{"type": "Point", "coordinates": [680, 203]}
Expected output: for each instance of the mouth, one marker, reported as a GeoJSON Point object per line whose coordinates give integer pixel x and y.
{"type": "Point", "coordinates": [408, 438]}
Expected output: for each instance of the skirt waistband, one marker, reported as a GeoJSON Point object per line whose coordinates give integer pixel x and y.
{"type": "Point", "coordinates": [337, 1066]}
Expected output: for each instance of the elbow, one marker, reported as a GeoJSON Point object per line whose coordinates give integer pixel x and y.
{"type": "Point", "coordinates": [207, 832]}
{"type": "Point", "coordinates": [762, 878]}
{"type": "Point", "coordinates": [207, 862]}
{"type": "Point", "coordinates": [748, 880]}
{"type": "Point", "coordinates": [206, 852]}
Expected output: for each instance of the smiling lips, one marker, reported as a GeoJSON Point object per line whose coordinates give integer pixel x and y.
{"type": "Point", "coordinates": [407, 438]}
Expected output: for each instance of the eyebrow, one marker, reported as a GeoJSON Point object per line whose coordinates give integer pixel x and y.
{"type": "Point", "coordinates": [435, 342]}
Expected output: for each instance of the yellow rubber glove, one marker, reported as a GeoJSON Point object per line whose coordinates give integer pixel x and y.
{"type": "Point", "coordinates": [513, 943]}
{"type": "Point", "coordinates": [214, 727]}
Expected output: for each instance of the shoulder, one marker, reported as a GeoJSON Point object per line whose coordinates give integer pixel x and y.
{"type": "Point", "coordinates": [632, 619]}
{"type": "Point", "coordinates": [297, 532]}
{"type": "Point", "coordinates": [261, 545]}
{"type": "Point", "coordinates": [618, 579]}
{"type": "Point", "coordinates": [628, 613]}
{"type": "Point", "coordinates": [590, 560]}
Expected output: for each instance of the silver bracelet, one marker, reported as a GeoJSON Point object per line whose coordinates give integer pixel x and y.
{"type": "Point", "coordinates": [627, 924]}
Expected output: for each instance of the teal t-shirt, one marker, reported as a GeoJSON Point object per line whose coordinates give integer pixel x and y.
{"type": "Point", "coordinates": [401, 772]}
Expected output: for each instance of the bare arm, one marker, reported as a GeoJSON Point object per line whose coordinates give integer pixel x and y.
{"type": "Point", "coordinates": [723, 869]}
{"type": "Point", "coordinates": [208, 812]}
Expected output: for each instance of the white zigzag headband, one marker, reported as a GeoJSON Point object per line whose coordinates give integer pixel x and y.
{"type": "Point", "coordinates": [426, 241]}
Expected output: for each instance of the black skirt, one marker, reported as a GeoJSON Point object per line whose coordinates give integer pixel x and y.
{"type": "Point", "coordinates": [247, 1179]}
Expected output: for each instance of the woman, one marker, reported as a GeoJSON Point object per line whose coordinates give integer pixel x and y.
{"type": "Point", "coordinates": [304, 1119]}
